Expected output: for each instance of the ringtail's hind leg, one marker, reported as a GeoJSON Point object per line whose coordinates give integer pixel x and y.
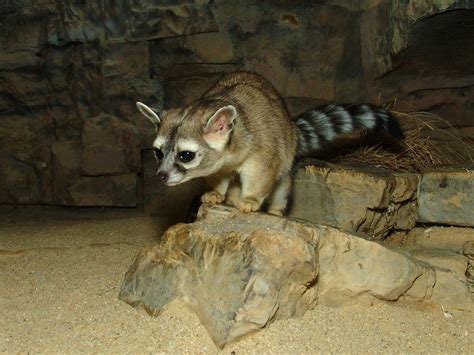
{"type": "Point", "coordinates": [217, 194]}
{"type": "Point", "coordinates": [279, 199]}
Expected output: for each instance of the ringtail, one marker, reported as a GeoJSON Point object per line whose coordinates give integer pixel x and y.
{"type": "Point", "coordinates": [241, 139]}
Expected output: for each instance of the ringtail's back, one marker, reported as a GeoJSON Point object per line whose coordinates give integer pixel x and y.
{"type": "Point", "coordinates": [241, 139]}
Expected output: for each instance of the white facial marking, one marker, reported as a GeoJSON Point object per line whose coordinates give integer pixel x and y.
{"type": "Point", "coordinates": [187, 144]}
{"type": "Point", "coordinates": [192, 146]}
{"type": "Point", "coordinates": [158, 142]}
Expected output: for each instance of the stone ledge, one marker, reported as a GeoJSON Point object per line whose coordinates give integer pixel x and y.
{"type": "Point", "coordinates": [371, 202]}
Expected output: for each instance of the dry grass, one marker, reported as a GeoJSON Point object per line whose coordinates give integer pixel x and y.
{"type": "Point", "coordinates": [418, 151]}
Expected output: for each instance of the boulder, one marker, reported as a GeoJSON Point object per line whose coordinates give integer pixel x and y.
{"type": "Point", "coordinates": [239, 272]}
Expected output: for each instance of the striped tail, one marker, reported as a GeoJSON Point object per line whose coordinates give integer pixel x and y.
{"type": "Point", "coordinates": [321, 125]}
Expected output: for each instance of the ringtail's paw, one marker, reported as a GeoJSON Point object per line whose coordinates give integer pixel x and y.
{"type": "Point", "coordinates": [275, 212]}
{"type": "Point", "coordinates": [248, 205]}
{"type": "Point", "coordinates": [212, 197]}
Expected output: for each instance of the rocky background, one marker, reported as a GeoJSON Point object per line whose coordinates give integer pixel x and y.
{"type": "Point", "coordinates": [71, 70]}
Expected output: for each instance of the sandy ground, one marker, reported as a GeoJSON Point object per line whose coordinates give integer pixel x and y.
{"type": "Point", "coordinates": [60, 271]}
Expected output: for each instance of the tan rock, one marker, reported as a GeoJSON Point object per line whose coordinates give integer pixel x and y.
{"type": "Point", "coordinates": [237, 278]}
{"type": "Point", "coordinates": [239, 272]}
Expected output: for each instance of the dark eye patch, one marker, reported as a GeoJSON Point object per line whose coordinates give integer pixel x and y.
{"type": "Point", "coordinates": [186, 156]}
{"type": "Point", "coordinates": [158, 153]}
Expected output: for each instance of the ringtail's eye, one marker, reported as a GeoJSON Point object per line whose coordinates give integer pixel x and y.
{"type": "Point", "coordinates": [158, 153]}
{"type": "Point", "coordinates": [186, 156]}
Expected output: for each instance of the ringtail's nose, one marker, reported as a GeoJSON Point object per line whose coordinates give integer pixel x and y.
{"type": "Point", "coordinates": [163, 176]}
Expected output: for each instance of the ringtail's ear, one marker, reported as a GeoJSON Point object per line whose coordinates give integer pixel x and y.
{"type": "Point", "coordinates": [149, 113]}
{"type": "Point", "coordinates": [217, 130]}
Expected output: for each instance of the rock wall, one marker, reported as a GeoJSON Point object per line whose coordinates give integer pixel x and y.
{"type": "Point", "coordinates": [70, 72]}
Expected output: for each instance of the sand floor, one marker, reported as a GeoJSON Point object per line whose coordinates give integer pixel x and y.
{"type": "Point", "coordinates": [60, 271]}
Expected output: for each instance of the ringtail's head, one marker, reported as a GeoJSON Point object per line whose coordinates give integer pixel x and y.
{"type": "Point", "coordinates": [190, 142]}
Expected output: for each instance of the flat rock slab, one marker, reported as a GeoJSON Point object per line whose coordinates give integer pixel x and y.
{"type": "Point", "coordinates": [239, 272]}
{"type": "Point", "coordinates": [447, 197]}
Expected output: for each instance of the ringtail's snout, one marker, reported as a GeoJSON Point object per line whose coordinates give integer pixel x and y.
{"type": "Point", "coordinates": [189, 144]}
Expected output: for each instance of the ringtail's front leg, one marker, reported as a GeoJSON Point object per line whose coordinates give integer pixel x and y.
{"type": "Point", "coordinates": [257, 182]}
{"type": "Point", "coordinates": [217, 194]}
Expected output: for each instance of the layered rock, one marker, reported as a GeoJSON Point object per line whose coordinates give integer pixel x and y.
{"type": "Point", "coordinates": [372, 203]}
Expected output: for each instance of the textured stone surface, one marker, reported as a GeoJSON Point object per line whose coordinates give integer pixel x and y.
{"type": "Point", "coordinates": [57, 71]}
{"type": "Point", "coordinates": [450, 239]}
{"type": "Point", "coordinates": [447, 197]}
{"type": "Point", "coordinates": [120, 190]}
{"type": "Point", "coordinates": [72, 188]}
{"type": "Point", "coordinates": [66, 158]}
{"type": "Point", "coordinates": [146, 20]}
{"type": "Point", "coordinates": [19, 182]}
{"type": "Point", "coordinates": [239, 272]}
{"type": "Point", "coordinates": [447, 248]}
{"type": "Point", "coordinates": [371, 203]}
{"type": "Point", "coordinates": [109, 146]}
{"type": "Point", "coordinates": [468, 251]}
{"type": "Point", "coordinates": [63, 62]}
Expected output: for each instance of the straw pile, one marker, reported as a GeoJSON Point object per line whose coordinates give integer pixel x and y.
{"type": "Point", "coordinates": [416, 152]}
